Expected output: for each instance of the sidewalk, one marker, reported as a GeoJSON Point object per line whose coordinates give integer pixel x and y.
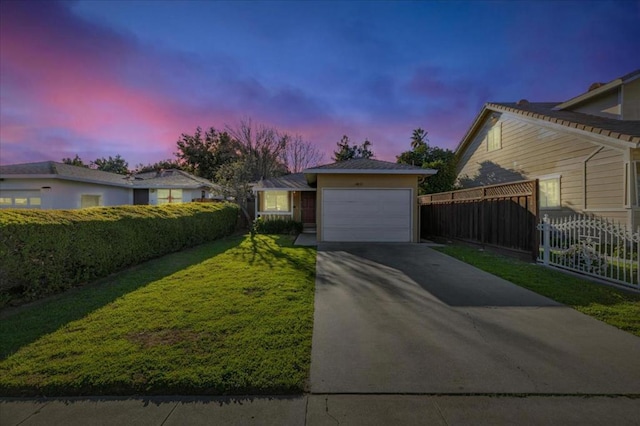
{"type": "Point", "coordinates": [322, 410]}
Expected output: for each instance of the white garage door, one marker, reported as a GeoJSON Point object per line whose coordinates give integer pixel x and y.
{"type": "Point", "coordinates": [366, 215]}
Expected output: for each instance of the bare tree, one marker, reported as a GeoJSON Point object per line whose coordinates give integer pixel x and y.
{"type": "Point", "coordinates": [262, 149]}
{"type": "Point", "coordinates": [300, 154]}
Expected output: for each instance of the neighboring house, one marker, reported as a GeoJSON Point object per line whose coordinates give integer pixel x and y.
{"type": "Point", "coordinates": [52, 185]}
{"type": "Point", "coordinates": [584, 151]}
{"type": "Point", "coordinates": [172, 186]}
{"type": "Point", "coordinates": [354, 200]}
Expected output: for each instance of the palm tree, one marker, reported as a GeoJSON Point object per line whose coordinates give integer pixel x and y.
{"type": "Point", "coordinates": [419, 137]}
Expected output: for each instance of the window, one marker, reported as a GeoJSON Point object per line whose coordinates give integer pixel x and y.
{"type": "Point", "coordinates": [549, 192]}
{"type": "Point", "coordinates": [494, 137]}
{"type": "Point", "coordinates": [87, 200]}
{"type": "Point", "coordinates": [169, 196]}
{"type": "Point", "coordinates": [22, 199]}
{"type": "Point", "coordinates": [276, 201]}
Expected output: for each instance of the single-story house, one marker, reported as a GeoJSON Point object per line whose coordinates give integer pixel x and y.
{"type": "Point", "coordinates": [353, 200]}
{"type": "Point", "coordinates": [53, 185]}
{"type": "Point", "coordinates": [585, 151]}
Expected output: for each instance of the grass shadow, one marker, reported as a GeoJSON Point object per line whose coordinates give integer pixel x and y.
{"type": "Point", "coordinates": [264, 248]}
{"type": "Point", "coordinates": [25, 324]}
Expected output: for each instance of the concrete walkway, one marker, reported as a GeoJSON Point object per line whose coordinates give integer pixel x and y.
{"type": "Point", "coordinates": [404, 318]}
{"type": "Point", "coordinates": [314, 410]}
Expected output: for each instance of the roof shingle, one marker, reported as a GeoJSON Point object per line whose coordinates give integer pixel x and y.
{"type": "Point", "coordinates": [292, 182]}
{"type": "Point", "coordinates": [365, 164]}
{"type": "Point", "coordinates": [626, 130]}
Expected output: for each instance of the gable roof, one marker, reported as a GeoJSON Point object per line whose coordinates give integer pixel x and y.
{"type": "Point", "coordinates": [171, 178]}
{"type": "Point", "coordinates": [292, 182]}
{"type": "Point", "coordinates": [302, 181]}
{"type": "Point", "coordinates": [51, 169]}
{"type": "Point", "coordinates": [622, 132]}
{"type": "Point", "coordinates": [625, 130]}
{"type": "Point", "coordinates": [365, 166]}
{"type": "Point", "coordinates": [370, 166]}
{"type": "Point", "coordinates": [604, 88]}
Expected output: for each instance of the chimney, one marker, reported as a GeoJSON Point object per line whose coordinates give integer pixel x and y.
{"type": "Point", "coordinates": [594, 86]}
{"type": "Point", "coordinates": [522, 103]}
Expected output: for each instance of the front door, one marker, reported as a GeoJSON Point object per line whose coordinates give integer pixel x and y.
{"type": "Point", "coordinates": [140, 196]}
{"type": "Point", "coordinates": [308, 207]}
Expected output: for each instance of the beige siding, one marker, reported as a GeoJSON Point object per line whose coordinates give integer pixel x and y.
{"type": "Point", "coordinates": [530, 152]}
{"type": "Point", "coordinates": [367, 181]}
{"type": "Point", "coordinates": [631, 100]}
{"type": "Point", "coordinates": [608, 105]}
{"type": "Point", "coordinates": [605, 180]}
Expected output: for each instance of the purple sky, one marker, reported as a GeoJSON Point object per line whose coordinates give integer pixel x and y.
{"type": "Point", "coordinates": [101, 78]}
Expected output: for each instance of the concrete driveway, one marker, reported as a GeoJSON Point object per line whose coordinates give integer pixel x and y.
{"type": "Point", "coordinates": [404, 318]}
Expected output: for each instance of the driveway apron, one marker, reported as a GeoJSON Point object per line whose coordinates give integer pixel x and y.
{"type": "Point", "coordinates": [404, 318]}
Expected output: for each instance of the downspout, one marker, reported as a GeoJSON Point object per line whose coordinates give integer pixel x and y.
{"type": "Point", "coordinates": [584, 176]}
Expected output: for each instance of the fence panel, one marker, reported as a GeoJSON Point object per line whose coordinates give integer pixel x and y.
{"type": "Point", "coordinates": [502, 215]}
{"type": "Point", "coordinates": [592, 246]}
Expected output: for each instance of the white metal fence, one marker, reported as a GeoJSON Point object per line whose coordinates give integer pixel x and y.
{"type": "Point", "coordinates": [592, 246]}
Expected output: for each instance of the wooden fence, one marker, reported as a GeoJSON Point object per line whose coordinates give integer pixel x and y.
{"type": "Point", "coordinates": [504, 215]}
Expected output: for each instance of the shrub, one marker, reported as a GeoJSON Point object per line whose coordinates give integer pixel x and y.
{"type": "Point", "coordinates": [276, 226]}
{"type": "Point", "coordinates": [47, 251]}
{"type": "Point", "coordinates": [584, 257]}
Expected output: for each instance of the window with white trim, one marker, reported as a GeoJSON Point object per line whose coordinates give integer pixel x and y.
{"type": "Point", "coordinates": [276, 201]}
{"type": "Point", "coordinates": [90, 200]}
{"type": "Point", "coordinates": [494, 137]}
{"type": "Point", "coordinates": [549, 192]}
{"type": "Point", "coordinates": [169, 196]}
{"type": "Point", "coordinates": [20, 199]}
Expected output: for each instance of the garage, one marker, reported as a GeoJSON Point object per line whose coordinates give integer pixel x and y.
{"type": "Point", "coordinates": [367, 215]}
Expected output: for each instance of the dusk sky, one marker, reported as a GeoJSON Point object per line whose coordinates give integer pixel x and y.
{"type": "Point", "coordinates": [100, 78]}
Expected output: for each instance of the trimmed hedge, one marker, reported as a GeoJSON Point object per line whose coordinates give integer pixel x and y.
{"type": "Point", "coordinates": [277, 226]}
{"type": "Point", "coordinates": [47, 251]}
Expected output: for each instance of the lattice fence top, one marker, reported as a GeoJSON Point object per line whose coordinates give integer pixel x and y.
{"type": "Point", "coordinates": [510, 190]}
{"type": "Point", "coordinates": [504, 190]}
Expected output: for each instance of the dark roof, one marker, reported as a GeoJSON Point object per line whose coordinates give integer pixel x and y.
{"type": "Point", "coordinates": [292, 182]}
{"type": "Point", "coordinates": [171, 178]}
{"type": "Point", "coordinates": [625, 130]}
{"type": "Point", "coordinates": [367, 165]}
{"type": "Point", "coordinates": [166, 179]}
{"type": "Point", "coordinates": [598, 89]}
{"type": "Point", "coordinates": [66, 171]}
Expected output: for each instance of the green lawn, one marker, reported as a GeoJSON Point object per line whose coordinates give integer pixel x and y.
{"type": "Point", "coordinates": [230, 317]}
{"type": "Point", "coordinates": [615, 307]}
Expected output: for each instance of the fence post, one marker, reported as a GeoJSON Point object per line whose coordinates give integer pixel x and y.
{"type": "Point", "coordinates": [546, 240]}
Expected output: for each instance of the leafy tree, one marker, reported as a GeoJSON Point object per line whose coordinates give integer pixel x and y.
{"type": "Point", "coordinates": [202, 155]}
{"type": "Point", "coordinates": [428, 157]}
{"type": "Point", "coordinates": [115, 164]}
{"type": "Point", "coordinates": [75, 161]}
{"type": "Point", "coordinates": [364, 150]}
{"type": "Point", "coordinates": [163, 164]}
{"type": "Point", "coordinates": [346, 151]}
{"type": "Point", "coordinates": [301, 154]}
